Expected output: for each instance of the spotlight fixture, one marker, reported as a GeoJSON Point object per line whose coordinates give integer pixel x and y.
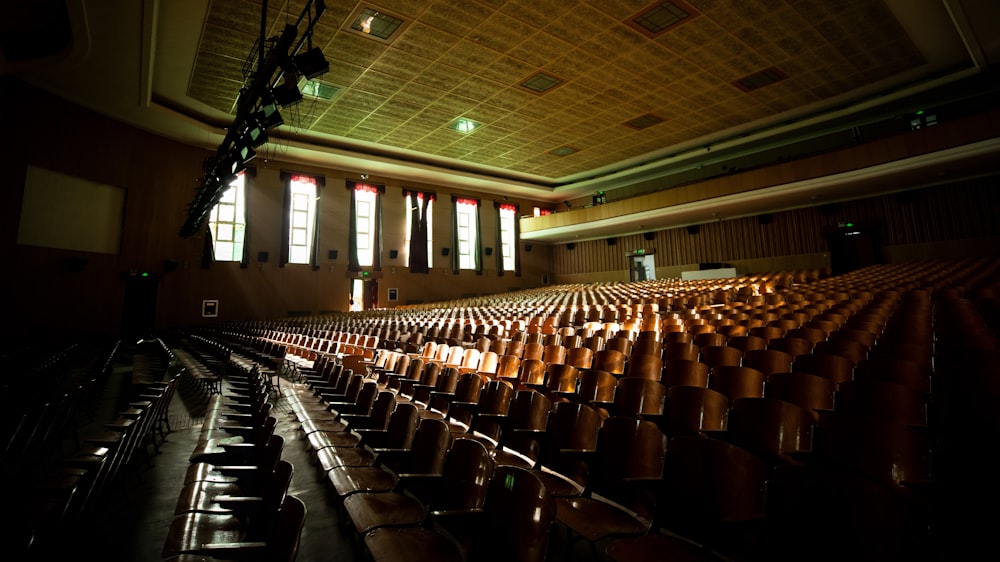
{"type": "Point", "coordinates": [288, 93]}
{"type": "Point", "coordinates": [268, 116]}
{"type": "Point", "coordinates": [311, 63]}
{"type": "Point", "coordinates": [245, 153]}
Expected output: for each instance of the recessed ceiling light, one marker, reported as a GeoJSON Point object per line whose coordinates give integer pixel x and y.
{"type": "Point", "coordinates": [661, 17]}
{"type": "Point", "coordinates": [760, 79]}
{"type": "Point", "coordinates": [541, 82]}
{"type": "Point", "coordinates": [374, 22]}
{"type": "Point", "coordinates": [644, 121]}
{"type": "Point", "coordinates": [317, 89]}
{"type": "Point", "coordinates": [564, 151]}
{"type": "Point", "coordinates": [463, 125]}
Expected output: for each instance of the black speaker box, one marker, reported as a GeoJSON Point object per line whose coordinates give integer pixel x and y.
{"type": "Point", "coordinates": [693, 229]}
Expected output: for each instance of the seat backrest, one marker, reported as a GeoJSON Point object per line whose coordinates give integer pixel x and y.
{"type": "Point", "coordinates": [645, 366]}
{"type": "Point", "coordinates": [714, 355]}
{"type": "Point", "coordinates": [768, 361]}
{"type": "Point", "coordinates": [709, 482]}
{"type": "Point", "coordinates": [637, 396]}
{"type": "Point", "coordinates": [402, 427]}
{"type": "Point", "coordinates": [770, 428]}
{"type": "Point", "coordinates": [685, 372]}
{"type": "Point", "coordinates": [430, 447]}
{"type": "Point", "coordinates": [826, 365]}
{"type": "Point", "coordinates": [597, 386]}
{"type": "Point", "coordinates": [532, 372]}
{"type": "Point", "coordinates": [610, 360]}
{"type": "Point", "coordinates": [465, 477]}
{"type": "Point", "coordinates": [580, 357]}
{"type": "Point", "coordinates": [283, 545]}
{"type": "Point", "coordinates": [692, 409]}
{"type": "Point", "coordinates": [519, 504]}
{"type": "Point", "coordinates": [737, 382]}
{"type": "Point", "coordinates": [812, 392]}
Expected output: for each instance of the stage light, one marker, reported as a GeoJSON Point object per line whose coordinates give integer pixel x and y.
{"type": "Point", "coordinates": [268, 116]}
{"type": "Point", "coordinates": [288, 93]}
{"type": "Point", "coordinates": [245, 153]}
{"type": "Point", "coordinates": [255, 134]}
{"type": "Point", "coordinates": [311, 63]}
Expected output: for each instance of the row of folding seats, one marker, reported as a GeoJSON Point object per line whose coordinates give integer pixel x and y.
{"type": "Point", "coordinates": [234, 503]}
{"type": "Point", "coordinates": [867, 440]}
{"type": "Point", "coordinates": [58, 487]}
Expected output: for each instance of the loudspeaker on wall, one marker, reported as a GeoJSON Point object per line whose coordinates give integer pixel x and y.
{"type": "Point", "coordinates": [570, 246]}
{"type": "Point", "coordinates": [527, 247]}
{"type": "Point", "coordinates": [444, 251]}
{"type": "Point", "coordinates": [764, 219]}
{"type": "Point", "coordinates": [331, 254]}
{"type": "Point", "coordinates": [171, 265]}
{"type": "Point", "coordinates": [612, 241]}
{"type": "Point", "coordinates": [393, 254]}
{"type": "Point", "coordinates": [693, 229]}
{"type": "Point", "coordinates": [489, 251]}
{"type": "Point", "coordinates": [262, 257]}
{"type": "Point", "coordinates": [649, 235]}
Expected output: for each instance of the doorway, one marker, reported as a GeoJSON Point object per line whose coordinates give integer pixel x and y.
{"type": "Point", "coordinates": [642, 267]}
{"type": "Point", "coordinates": [139, 306]}
{"type": "Point", "coordinates": [364, 294]}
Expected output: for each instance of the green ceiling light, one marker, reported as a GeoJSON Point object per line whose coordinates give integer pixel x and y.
{"type": "Point", "coordinates": [463, 125]}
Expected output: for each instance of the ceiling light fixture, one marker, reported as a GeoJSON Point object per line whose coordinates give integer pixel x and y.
{"type": "Point", "coordinates": [463, 125]}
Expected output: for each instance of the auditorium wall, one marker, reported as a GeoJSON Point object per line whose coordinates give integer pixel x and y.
{"type": "Point", "coordinates": [953, 220]}
{"type": "Point", "coordinates": [59, 290]}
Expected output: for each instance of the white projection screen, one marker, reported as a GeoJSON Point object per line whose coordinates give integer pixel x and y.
{"type": "Point", "coordinates": [70, 213]}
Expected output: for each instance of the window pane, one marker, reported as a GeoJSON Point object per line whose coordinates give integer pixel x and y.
{"type": "Point", "coordinates": [224, 251]}
{"type": "Point", "coordinates": [299, 254]}
{"type": "Point", "coordinates": [298, 237]}
{"type": "Point", "coordinates": [226, 212]}
{"type": "Point", "coordinates": [225, 233]}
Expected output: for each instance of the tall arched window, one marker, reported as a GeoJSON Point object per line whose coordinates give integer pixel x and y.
{"type": "Point", "coordinates": [228, 222]}
{"type": "Point", "coordinates": [300, 232]}
{"type": "Point", "coordinates": [465, 234]}
{"type": "Point", "coordinates": [365, 226]}
{"type": "Point", "coordinates": [508, 233]}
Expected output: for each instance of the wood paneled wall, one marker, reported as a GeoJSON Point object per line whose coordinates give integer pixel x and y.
{"type": "Point", "coordinates": [160, 177]}
{"type": "Point", "coordinates": [962, 211]}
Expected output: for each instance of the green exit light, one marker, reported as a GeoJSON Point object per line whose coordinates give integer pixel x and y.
{"type": "Point", "coordinates": [640, 251]}
{"type": "Point", "coordinates": [144, 274]}
{"type": "Point", "coordinates": [849, 225]}
{"type": "Point", "coordinates": [921, 112]}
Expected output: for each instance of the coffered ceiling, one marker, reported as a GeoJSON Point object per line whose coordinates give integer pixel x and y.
{"type": "Point", "coordinates": [622, 95]}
